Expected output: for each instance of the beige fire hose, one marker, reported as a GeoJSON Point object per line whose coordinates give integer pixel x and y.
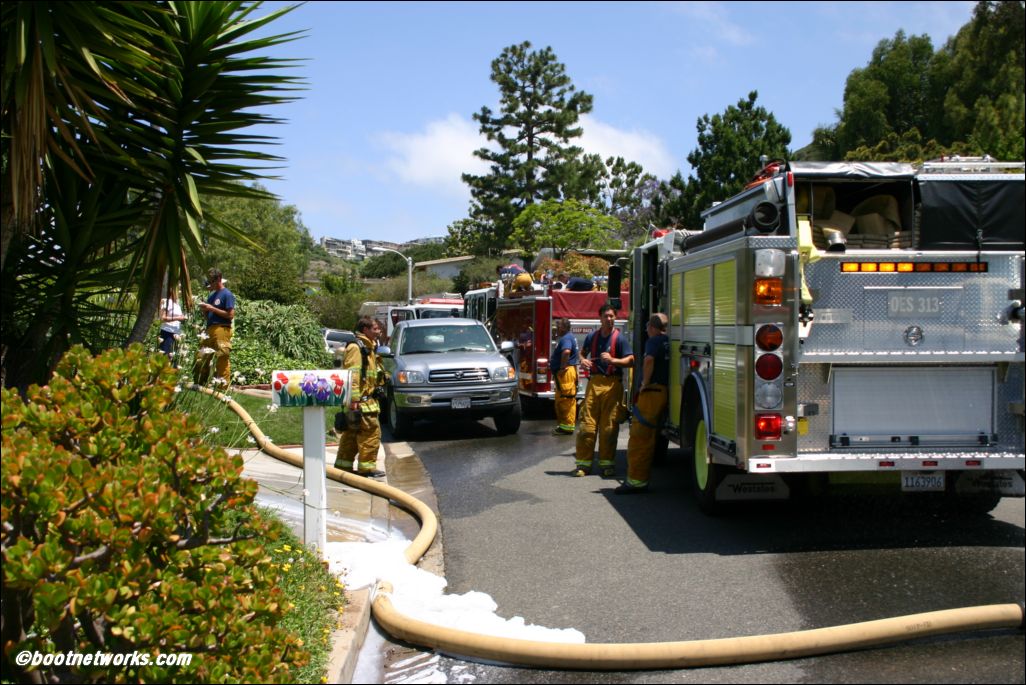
{"type": "Point", "coordinates": [633, 656]}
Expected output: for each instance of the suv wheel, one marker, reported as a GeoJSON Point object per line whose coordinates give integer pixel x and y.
{"type": "Point", "coordinates": [508, 423]}
{"type": "Point", "coordinates": [400, 422]}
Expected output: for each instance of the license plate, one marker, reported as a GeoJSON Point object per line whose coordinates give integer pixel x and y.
{"type": "Point", "coordinates": [922, 481]}
{"type": "Point", "coordinates": [461, 403]}
{"type": "Point", "coordinates": [902, 304]}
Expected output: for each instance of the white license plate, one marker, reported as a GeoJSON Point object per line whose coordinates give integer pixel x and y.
{"type": "Point", "coordinates": [922, 481]}
{"type": "Point", "coordinates": [461, 403]}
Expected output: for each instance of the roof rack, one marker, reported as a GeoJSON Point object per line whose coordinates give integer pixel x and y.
{"type": "Point", "coordinates": [957, 163]}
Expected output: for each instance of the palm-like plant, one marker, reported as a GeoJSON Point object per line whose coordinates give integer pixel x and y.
{"type": "Point", "coordinates": [117, 119]}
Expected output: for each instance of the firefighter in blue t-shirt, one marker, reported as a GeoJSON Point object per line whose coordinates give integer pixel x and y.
{"type": "Point", "coordinates": [648, 408]}
{"type": "Point", "coordinates": [563, 364]}
{"type": "Point", "coordinates": [604, 355]}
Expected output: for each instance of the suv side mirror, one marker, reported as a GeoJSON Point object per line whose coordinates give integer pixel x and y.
{"type": "Point", "coordinates": [506, 346]}
{"type": "Point", "coordinates": [385, 351]}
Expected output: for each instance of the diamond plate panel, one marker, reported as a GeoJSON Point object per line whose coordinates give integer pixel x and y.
{"type": "Point", "coordinates": [912, 314]}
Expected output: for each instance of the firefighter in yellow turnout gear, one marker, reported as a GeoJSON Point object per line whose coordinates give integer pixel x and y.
{"type": "Point", "coordinates": [604, 354]}
{"type": "Point", "coordinates": [361, 436]}
{"type": "Point", "coordinates": [648, 409]}
{"type": "Point", "coordinates": [565, 358]}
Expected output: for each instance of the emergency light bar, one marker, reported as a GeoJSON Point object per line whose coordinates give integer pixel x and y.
{"type": "Point", "coordinates": [913, 267]}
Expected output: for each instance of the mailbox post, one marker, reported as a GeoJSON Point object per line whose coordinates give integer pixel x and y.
{"type": "Point", "coordinates": [312, 391]}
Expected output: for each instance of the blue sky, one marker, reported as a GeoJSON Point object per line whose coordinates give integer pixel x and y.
{"type": "Point", "coordinates": [376, 144]}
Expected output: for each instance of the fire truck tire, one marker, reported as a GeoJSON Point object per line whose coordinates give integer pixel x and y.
{"type": "Point", "coordinates": [401, 423]}
{"type": "Point", "coordinates": [973, 504]}
{"type": "Point", "coordinates": [508, 423]}
{"type": "Point", "coordinates": [706, 474]}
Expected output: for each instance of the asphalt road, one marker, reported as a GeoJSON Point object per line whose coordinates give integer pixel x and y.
{"type": "Point", "coordinates": [565, 552]}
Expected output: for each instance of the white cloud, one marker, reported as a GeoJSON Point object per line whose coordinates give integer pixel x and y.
{"type": "Point", "coordinates": [645, 148]}
{"type": "Point", "coordinates": [715, 23]}
{"type": "Point", "coordinates": [437, 156]}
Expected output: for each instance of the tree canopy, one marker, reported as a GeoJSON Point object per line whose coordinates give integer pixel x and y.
{"type": "Point", "coordinates": [271, 269]}
{"type": "Point", "coordinates": [730, 146]}
{"type": "Point", "coordinates": [912, 103]}
{"type": "Point", "coordinates": [562, 226]}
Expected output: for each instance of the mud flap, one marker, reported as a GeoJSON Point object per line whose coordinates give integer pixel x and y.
{"type": "Point", "coordinates": [1005, 483]}
{"type": "Point", "coordinates": [746, 486]}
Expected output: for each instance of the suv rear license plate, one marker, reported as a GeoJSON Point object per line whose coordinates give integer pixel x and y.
{"type": "Point", "coordinates": [461, 403]}
{"type": "Point", "coordinates": [922, 481]}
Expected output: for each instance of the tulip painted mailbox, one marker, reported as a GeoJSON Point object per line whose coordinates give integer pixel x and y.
{"type": "Point", "coordinates": [312, 391]}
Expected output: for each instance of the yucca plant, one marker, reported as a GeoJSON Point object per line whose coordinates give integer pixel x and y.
{"type": "Point", "coordinates": [117, 119]}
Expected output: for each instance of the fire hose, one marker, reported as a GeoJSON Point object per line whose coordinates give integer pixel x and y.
{"type": "Point", "coordinates": [632, 656]}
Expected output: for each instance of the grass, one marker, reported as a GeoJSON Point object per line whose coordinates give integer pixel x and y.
{"type": "Point", "coordinates": [282, 426]}
{"type": "Point", "coordinates": [314, 597]}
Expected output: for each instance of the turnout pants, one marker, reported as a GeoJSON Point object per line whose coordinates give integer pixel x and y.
{"type": "Point", "coordinates": [359, 442]}
{"type": "Point", "coordinates": [647, 410]}
{"type": "Point", "coordinates": [215, 349]}
{"type": "Point", "coordinates": [566, 398]}
{"type": "Point", "coordinates": [599, 420]}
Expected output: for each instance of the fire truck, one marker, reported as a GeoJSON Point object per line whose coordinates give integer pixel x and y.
{"type": "Point", "coordinates": [527, 320]}
{"type": "Point", "coordinates": [842, 324]}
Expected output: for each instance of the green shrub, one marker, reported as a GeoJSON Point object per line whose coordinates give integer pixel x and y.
{"type": "Point", "coordinates": [124, 531]}
{"type": "Point", "coordinates": [291, 330]}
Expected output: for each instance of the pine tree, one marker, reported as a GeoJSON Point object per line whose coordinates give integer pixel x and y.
{"type": "Point", "coordinates": [532, 159]}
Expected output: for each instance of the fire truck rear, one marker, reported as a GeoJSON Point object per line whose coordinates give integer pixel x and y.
{"type": "Point", "coordinates": [527, 319]}
{"type": "Point", "coordinates": [842, 324]}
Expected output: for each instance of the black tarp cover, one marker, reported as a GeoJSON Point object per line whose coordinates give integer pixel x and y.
{"type": "Point", "coordinates": [973, 215]}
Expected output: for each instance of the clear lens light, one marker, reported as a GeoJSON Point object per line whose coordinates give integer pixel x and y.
{"type": "Point", "coordinates": [768, 396]}
{"type": "Point", "coordinates": [502, 374]}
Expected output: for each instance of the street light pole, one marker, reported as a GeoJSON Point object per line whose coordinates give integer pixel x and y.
{"type": "Point", "coordinates": [409, 271]}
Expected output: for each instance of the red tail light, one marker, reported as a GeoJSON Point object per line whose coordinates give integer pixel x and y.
{"type": "Point", "coordinates": [768, 426]}
{"type": "Point", "coordinates": [769, 366]}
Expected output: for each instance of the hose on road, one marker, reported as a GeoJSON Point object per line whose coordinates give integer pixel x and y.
{"type": "Point", "coordinates": [632, 656]}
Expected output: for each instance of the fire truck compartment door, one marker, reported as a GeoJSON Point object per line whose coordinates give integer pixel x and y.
{"type": "Point", "coordinates": [933, 405]}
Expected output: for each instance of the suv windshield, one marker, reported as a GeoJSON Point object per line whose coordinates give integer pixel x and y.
{"type": "Point", "coordinates": [428, 339]}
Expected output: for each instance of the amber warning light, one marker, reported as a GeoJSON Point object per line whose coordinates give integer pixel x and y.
{"type": "Point", "coordinates": [910, 267]}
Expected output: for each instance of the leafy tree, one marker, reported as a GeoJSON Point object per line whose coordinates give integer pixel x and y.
{"type": "Point", "coordinates": [729, 148]}
{"type": "Point", "coordinates": [563, 226]}
{"type": "Point", "coordinates": [467, 236]}
{"type": "Point", "coordinates": [980, 74]}
{"type": "Point", "coordinates": [384, 265]}
{"type": "Point", "coordinates": [534, 159]}
{"type": "Point", "coordinates": [911, 103]}
{"type": "Point", "coordinates": [273, 265]}
{"type": "Point", "coordinates": [628, 193]}
{"type": "Point", "coordinates": [426, 252]}
{"type": "Point", "coordinates": [668, 203]}
{"type": "Point", "coordinates": [117, 119]}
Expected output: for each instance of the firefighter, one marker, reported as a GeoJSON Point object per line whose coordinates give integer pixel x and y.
{"type": "Point", "coordinates": [648, 408]}
{"type": "Point", "coordinates": [563, 364]}
{"type": "Point", "coordinates": [361, 431]}
{"type": "Point", "coordinates": [604, 354]}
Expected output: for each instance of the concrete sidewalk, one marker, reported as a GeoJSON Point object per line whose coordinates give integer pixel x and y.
{"type": "Point", "coordinates": [352, 515]}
